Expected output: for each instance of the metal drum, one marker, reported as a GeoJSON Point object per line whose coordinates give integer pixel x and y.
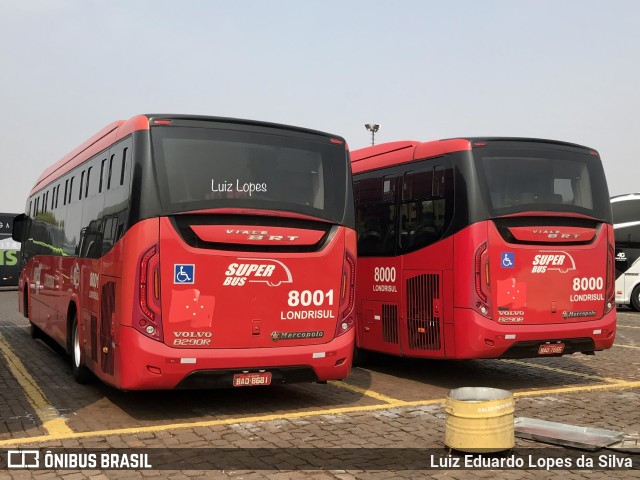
{"type": "Point", "coordinates": [479, 419]}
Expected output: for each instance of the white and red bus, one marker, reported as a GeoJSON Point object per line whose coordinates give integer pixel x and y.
{"type": "Point", "coordinates": [483, 248]}
{"type": "Point", "coordinates": [626, 228]}
{"type": "Point", "coordinates": [173, 251]}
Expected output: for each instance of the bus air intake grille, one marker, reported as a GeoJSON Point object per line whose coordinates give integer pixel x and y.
{"type": "Point", "coordinates": [423, 317]}
{"type": "Point", "coordinates": [390, 323]}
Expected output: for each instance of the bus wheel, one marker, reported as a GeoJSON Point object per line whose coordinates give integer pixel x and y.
{"type": "Point", "coordinates": [25, 303]}
{"type": "Point", "coordinates": [34, 331]}
{"type": "Point", "coordinates": [360, 356]}
{"type": "Point", "coordinates": [635, 298]}
{"type": "Point", "coordinates": [79, 371]}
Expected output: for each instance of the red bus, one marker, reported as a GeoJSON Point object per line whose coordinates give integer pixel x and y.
{"type": "Point", "coordinates": [483, 248]}
{"type": "Point", "coordinates": [172, 251]}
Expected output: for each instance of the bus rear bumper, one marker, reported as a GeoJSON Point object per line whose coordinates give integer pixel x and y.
{"type": "Point", "coordinates": [478, 337]}
{"type": "Point", "coordinates": [153, 365]}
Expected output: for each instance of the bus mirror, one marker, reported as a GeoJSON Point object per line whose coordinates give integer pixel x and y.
{"type": "Point", "coordinates": [19, 223]}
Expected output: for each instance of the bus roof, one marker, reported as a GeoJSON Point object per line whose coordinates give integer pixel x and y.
{"type": "Point", "coordinates": [625, 196]}
{"type": "Point", "coordinates": [392, 153]}
{"type": "Point", "coordinates": [119, 129]}
{"type": "Point", "coordinates": [95, 144]}
{"type": "Point", "coordinates": [384, 154]}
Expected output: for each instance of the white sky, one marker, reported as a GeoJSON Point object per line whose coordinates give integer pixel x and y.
{"type": "Point", "coordinates": [423, 69]}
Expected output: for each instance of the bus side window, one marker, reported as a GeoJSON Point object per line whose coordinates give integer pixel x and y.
{"type": "Point", "coordinates": [418, 216]}
{"type": "Point", "coordinates": [71, 189]}
{"type": "Point", "coordinates": [376, 216]}
{"type": "Point", "coordinates": [427, 206]}
{"type": "Point", "coordinates": [124, 164]}
{"type": "Point", "coordinates": [116, 194]}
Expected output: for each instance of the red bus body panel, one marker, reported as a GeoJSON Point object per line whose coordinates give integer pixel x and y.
{"type": "Point", "coordinates": [542, 298]}
{"type": "Point", "coordinates": [155, 311]}
{"type": "Point", "coordinates": [243, 297]}
{"type": "Point", "coordinates": [546, 286]}
{"type": "Point", "coordinates": [241, 319]}
{"type": "Point", "coordinates": [158, 366]}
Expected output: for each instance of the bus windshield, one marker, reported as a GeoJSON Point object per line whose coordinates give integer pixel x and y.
{"type": "Point", "coordinates": [204, 168]}
{"type": "Point", "coordinates": [521, 178]}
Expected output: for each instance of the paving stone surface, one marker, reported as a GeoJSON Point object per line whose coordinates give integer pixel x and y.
{"type": "Point", "coordinates": [387, 421]}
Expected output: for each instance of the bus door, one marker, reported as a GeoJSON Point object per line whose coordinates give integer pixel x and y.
{"type": "Point", "coordinates": [41, 282]}
{"type": "Point", "coordinates": [381, 326]}
{"type": "Point", "coordinates": [426, 208]}
{"type": "Point", "coordinates": [379, 269]}
{"type": "Point", "coordinates": [96, 317]}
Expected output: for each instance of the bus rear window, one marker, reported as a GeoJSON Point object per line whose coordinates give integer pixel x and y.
{"type": "Point", "coordinates": [201, 168]}
{"type": "Point", "coordinates": [524, 179]}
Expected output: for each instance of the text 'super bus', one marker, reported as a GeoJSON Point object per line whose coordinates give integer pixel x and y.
{"type": "Point", "coordinates": [172, 251]}
{"type": "Point", "coordinates": [483, 248]}
{"type": "Point", "coordinates": [626, 230]}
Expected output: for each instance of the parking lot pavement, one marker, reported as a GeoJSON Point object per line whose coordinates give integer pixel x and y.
{"type": "Point", "coordinates": [385, 421]}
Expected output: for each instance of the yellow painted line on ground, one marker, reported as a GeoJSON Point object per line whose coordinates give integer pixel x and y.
{"type": "Point", "coordinates": [620, 385]}
{"type": "Point", "coordinates": [627, 346]}
{"type": "Point", "coordinates": [627, 326]}
{"type": "Point", "coordinates": [563, 371]}
{"type": "Point", "coordinates": [206, 423]}
{"type": "Point", "coordinates": [51, 420]}
{"type": "Point", "coordinates": [364, 391]}
{"type": "Point", "coordinates": [295, 415]}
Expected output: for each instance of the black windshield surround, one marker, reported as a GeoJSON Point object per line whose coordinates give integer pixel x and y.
{"type": "Point", "coordinates": [521, 177]}
{"type": "Point", "coordinates": [215, 166]}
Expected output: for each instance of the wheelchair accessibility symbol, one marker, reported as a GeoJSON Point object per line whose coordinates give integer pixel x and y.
{"type": "Point", "coordinates": [184, 273]}
{"type": "Point", "coordinates": [507, 259]}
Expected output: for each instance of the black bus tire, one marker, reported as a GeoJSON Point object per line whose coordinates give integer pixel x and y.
{"type": "Point", "coordinates": [25, 303]}
{"type": "Point", "coordinates": [360, 356]}
{"type": "Point", "coordinates": [80, 373]}
{"type": "Point", "coordinates": [635, 298]}
{"type": "Point", "coordinates": [34, 331]}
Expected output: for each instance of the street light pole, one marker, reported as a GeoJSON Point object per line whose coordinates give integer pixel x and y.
{"type": "Point", "coordinates": [373, 128]}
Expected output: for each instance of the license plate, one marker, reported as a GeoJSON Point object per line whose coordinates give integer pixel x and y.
{"type": "Point", "coordinates": [251, 379]}
{"type": "Point", "coordinates": [551, 349]}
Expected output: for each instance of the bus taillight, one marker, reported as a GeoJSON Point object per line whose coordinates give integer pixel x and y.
{"type": "Point", "coordinates": [610, 295]}
{"type": "Point", "coordinates": [347, 296]}
{"type": "Point", "coordinates": [481, 276]}
{"type": "Point", "coordinates": [156, 283]}
{"type": "Point", "coordinates": [149, 295]}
